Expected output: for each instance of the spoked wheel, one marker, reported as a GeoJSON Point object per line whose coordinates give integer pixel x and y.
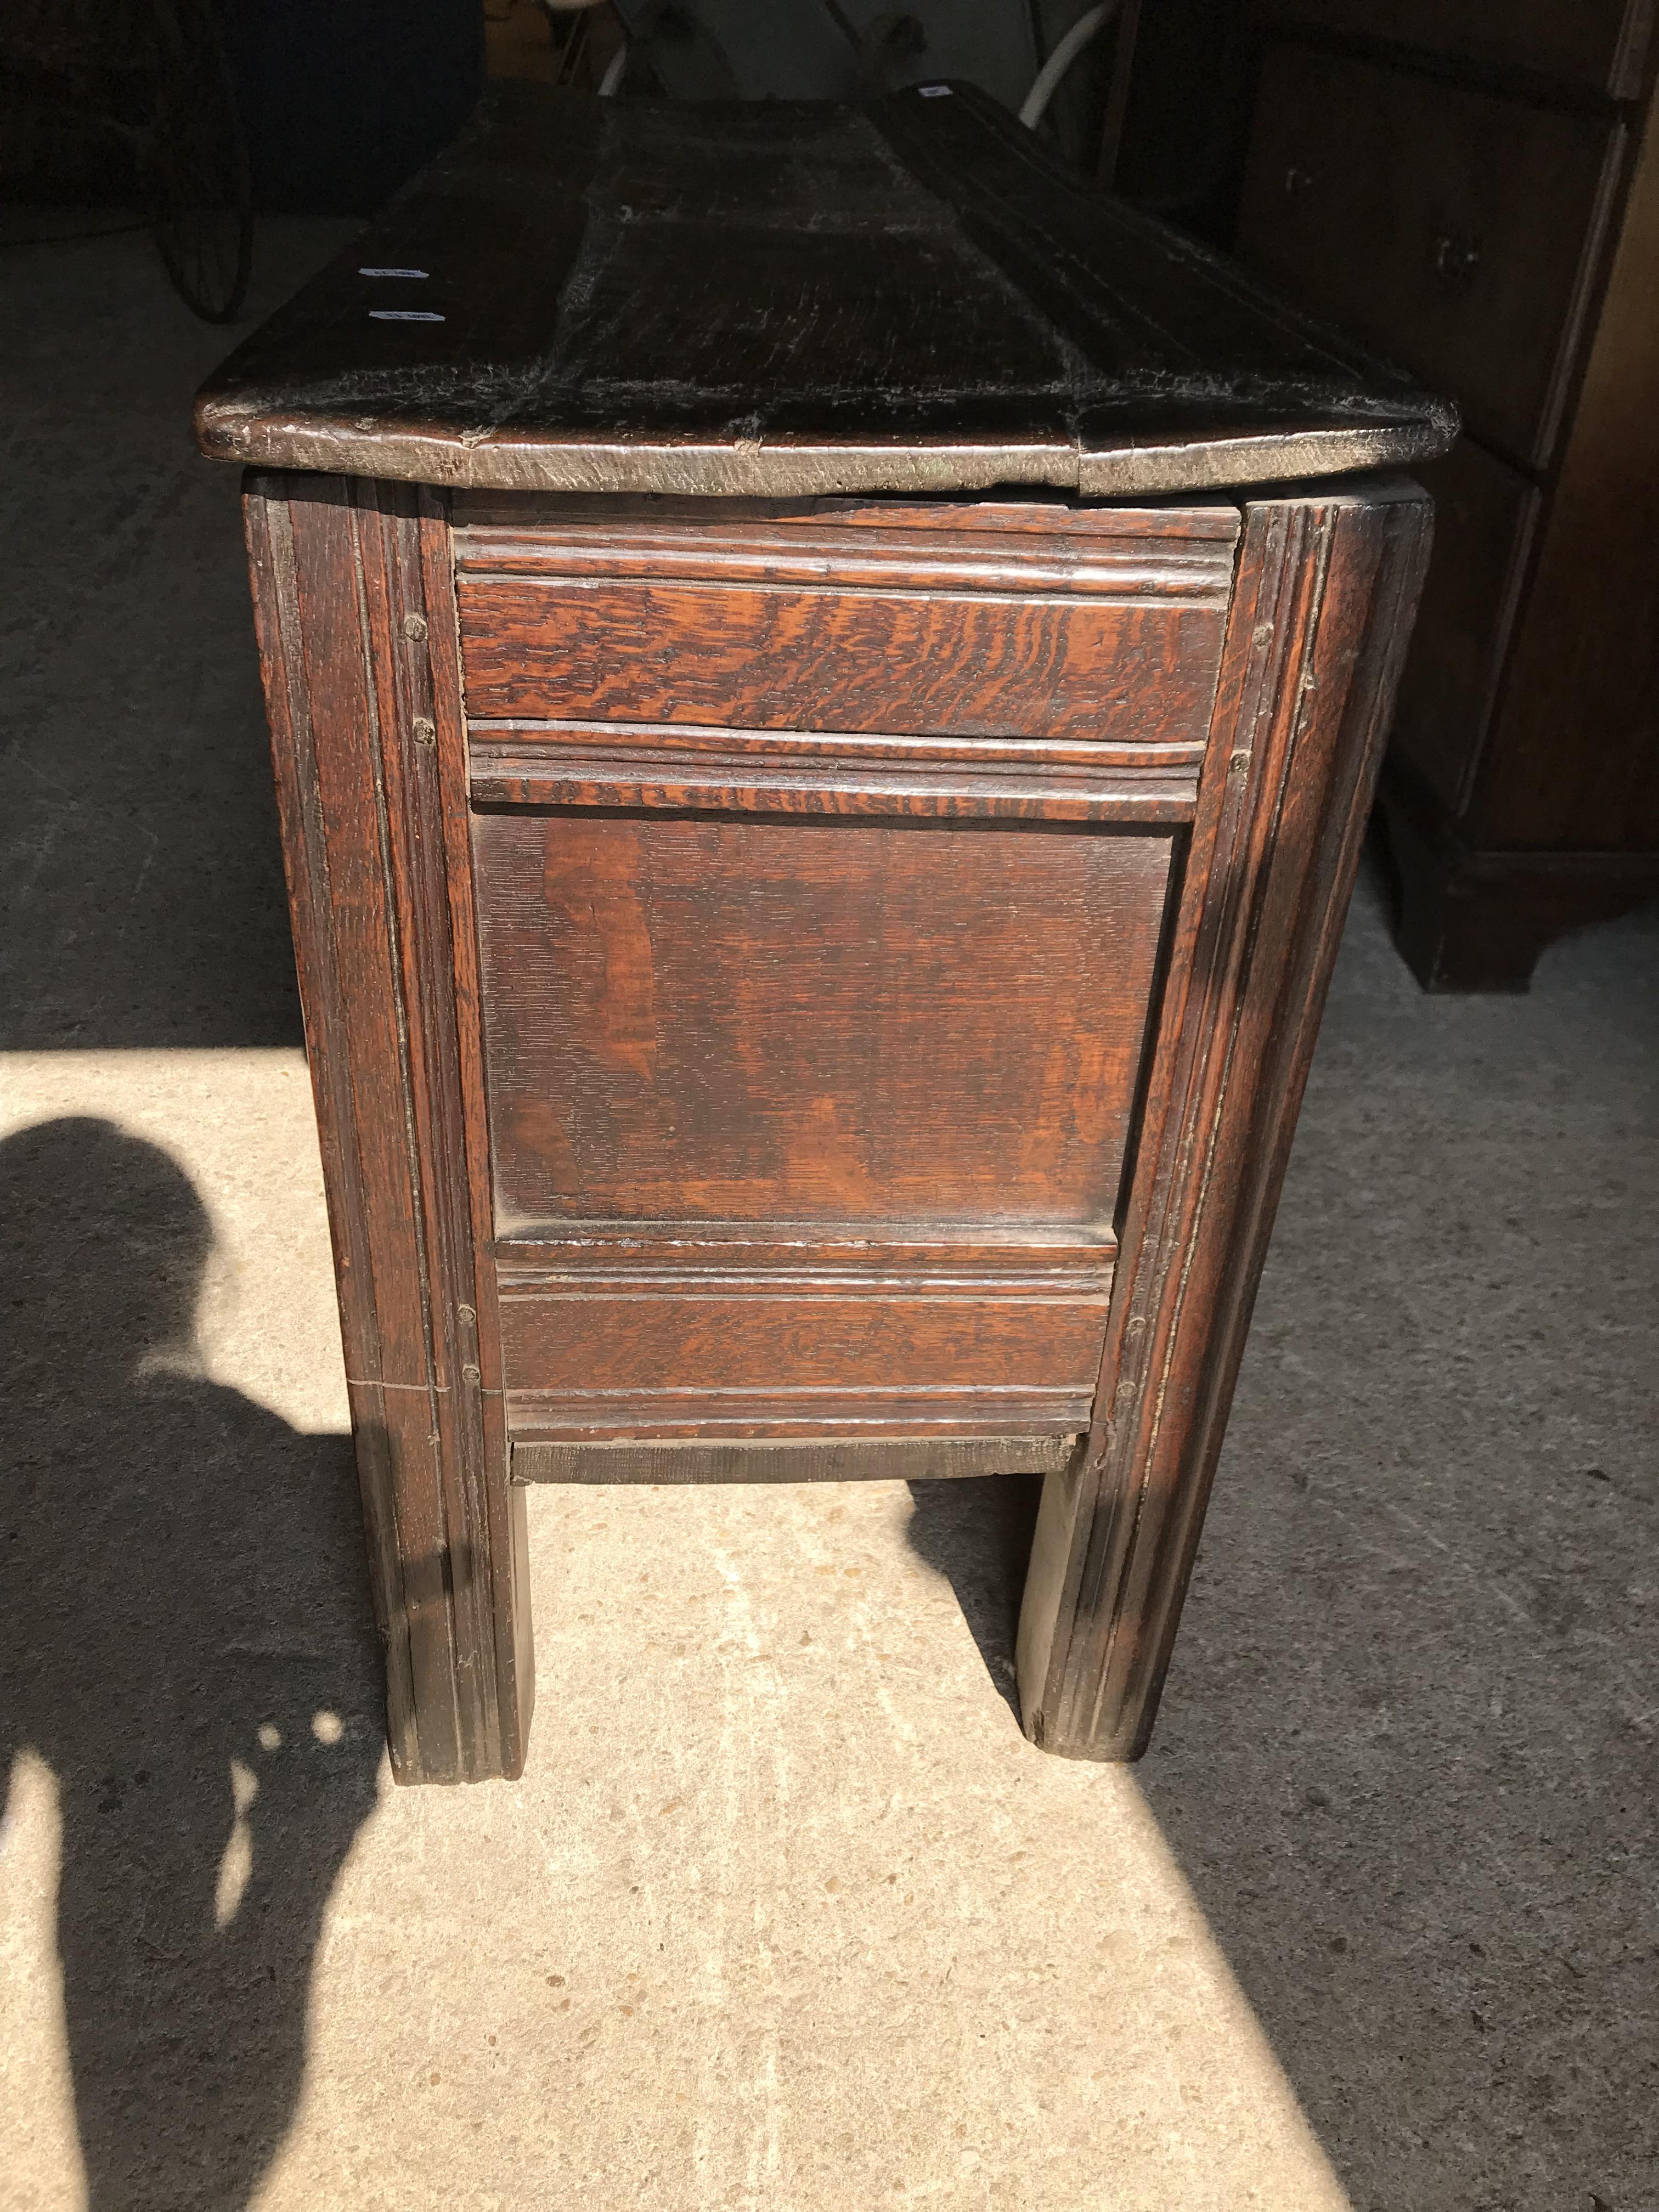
{"type": "Point", "coordinates": [194, 163]}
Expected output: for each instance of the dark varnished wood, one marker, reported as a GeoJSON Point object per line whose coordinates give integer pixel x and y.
{"type": "Point", "coordinates": [807, 988]}
{"type": "Point", "coordinates": [1602, 44]}
{"type": "Point", "coordinates": [1319, 619]}
{"type": "Point", "coordinates": [1454, 226]}
{"type": "Point", "coordinates": [1486, 514]}
{"type": "Point", "coordinates": [784, 1020]}
{"type": "Point", "coordinates": [1479, 921]}
{"type": "Point", "coordinates": [915, 296]}
{"type": "Point", "coordinates": [356, 693]}
{"type": "Point", "coordinates": [810, 1136]}
{"type": "Point", "coordinates": [1521, 790]}
{"type": "Point", "coordinates": [1573, 764]}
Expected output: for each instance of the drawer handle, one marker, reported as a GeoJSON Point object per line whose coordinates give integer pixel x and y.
{"type": "Point", "coordinates": [1456, 260]}
{"type": "Point", "coordinates": [1298, 181]}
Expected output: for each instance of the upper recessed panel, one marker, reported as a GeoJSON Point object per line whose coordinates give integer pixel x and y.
{"type": "Point", "coordinates": [781, 297]}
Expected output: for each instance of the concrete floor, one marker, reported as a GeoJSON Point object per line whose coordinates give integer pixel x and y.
{"type": "Point", "coordinates": [786, 1916]}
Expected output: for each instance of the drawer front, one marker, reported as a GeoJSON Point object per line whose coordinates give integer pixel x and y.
{"type": "Point", "coordinates": [1602, 43]}
{"type": "Point", "coordinates": [1055, 632]}
{"type": "Point", "coordinates": [1485, 515]}
{"type": "Point", "coordinates": [1454, 229]}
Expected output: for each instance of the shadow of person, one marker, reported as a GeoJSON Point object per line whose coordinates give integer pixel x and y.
{"type": "Point", "coordinates": [978, 1534]}
{"type": "Point", "coordinates": [183, 1640]}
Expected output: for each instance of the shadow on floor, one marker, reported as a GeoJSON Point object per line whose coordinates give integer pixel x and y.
{"type": "Point", "coordinates": [1440, 1906]}
{"type": "Point", "coordinates": [185, 1640]}
{"type": "Point", "coordinates": [1408, 1756]}
{"type": "Point", "coordinates": [978, 1534]}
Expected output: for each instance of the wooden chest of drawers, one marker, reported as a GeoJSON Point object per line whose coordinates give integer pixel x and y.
{"type": "Point", "coordinates": [1474, 188]}
{"type": "Point", "coordinates": [811, 977]}
{"type": "Point", "coordinates": [1594, 46]}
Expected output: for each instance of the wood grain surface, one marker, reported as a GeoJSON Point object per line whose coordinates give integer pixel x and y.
{"type": "Point", "coordinates": [1322, 615]}
{"type": "Point", "coordinates": [779, 1020]}
{"type": "Point", "coordinates": [352, 648]}
{"type": "Point", "coordinates": [779, 298]}
{"type": "Point", "coordinates": [899, 1046]}
{"type": "Point", "coordinates": [1456, 228]}
{"type": "Point", "coordinates": [653, 1328]}
{"type": "Point", "coordinates": [684, 767]}
{"type": "Point", "coordinates": [729, 1360]}
{"type": "Point", "coordinates": [783, 659]}
{"type": "Point", "coordinates": [993, 619]}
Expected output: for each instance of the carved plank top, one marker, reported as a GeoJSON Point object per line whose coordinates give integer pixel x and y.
{"type": "Point", "coordinates": [781, 299]}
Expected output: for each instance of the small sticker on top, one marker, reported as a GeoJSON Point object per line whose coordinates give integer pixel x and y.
{"type": "Point", "coordinates": [421, 273]}
{"type": "Point", "coordinates": [934, 91]}
{"type": "Point", "coordinates": [403, 315]}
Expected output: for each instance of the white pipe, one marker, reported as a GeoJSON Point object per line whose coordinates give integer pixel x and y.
{"type": "Point", "coordinates": [1047, 79]}
{"type": "Point", "coordinates": [613, 78]}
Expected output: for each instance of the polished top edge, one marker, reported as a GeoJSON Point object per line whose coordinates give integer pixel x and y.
{"type": "Point", "coordinates": [782, 299]}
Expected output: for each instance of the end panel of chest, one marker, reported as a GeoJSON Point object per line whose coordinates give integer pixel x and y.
{"type": "Point", "coordinates": [814, 1054]}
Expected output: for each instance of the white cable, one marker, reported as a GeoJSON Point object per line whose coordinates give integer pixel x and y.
{"type": "Point", "coordinates": [613, 73]}
{"type": "Point", "coordinates": [1047, 79]}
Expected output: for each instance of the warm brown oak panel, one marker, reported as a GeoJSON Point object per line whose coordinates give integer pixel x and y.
{"type": "Point", "coordinates": [781, 657]}
{"type": "Point", "coordinates": [733, 1341]}
{"type": "Point", "coordinates": [715, 1331]}
{"type": "Point", "coordinates": [1028, 544]}
{"type": "Point", "coordinates": [743, 1019]}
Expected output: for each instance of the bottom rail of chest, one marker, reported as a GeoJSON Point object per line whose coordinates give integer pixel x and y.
{"type": "Point", "coordinates": [806, 1459]}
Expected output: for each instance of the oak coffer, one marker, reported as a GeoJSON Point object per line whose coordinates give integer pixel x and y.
{"type": "Point", "coordinates": [825, 680]}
